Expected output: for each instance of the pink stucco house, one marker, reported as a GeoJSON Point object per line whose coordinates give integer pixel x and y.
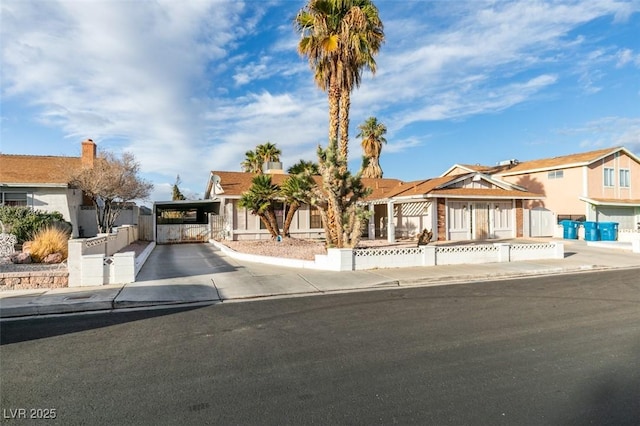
{"type": "Point", "coordinates": [600, 186]}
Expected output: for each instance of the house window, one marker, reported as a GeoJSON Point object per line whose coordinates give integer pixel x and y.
{"type": "Point", "coordinates": [608, 176]}
{"type": "Point", "coordinates": [555, 174]}
{"type": "Point", "coordinates": [315, 220]}
{"type": "Point", "coordinates": [13, 199]}
{"type": "Point", "coordinates": [624, 178]}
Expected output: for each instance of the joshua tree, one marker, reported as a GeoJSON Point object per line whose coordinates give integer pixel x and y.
{"type": "Point", "coordinates": [372, 133]}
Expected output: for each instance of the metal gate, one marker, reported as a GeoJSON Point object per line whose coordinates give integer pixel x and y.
{"type": "Point", "coordinates": [182, 233]}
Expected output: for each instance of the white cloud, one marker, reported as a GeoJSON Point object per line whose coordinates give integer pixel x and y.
{"type": "Point", "coordinates": [190, 86]}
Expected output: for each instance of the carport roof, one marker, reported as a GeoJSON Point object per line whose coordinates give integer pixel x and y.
{"type": "Point", "coordinates": [209, 206]}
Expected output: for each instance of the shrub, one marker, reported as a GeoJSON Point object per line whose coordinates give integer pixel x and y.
{"type": "Point", "coordinates": [24, 222]}
{"type": "Point", "coordinates": [47, 241]}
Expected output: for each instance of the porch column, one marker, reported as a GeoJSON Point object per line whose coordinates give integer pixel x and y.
{"type": "Point", "coordinates": [391, 228]}
{"type": "Point", "coordinates": [372, 222]}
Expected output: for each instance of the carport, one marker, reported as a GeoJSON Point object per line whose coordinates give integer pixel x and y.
{"type": "Point", "coordinates": [184, 221]}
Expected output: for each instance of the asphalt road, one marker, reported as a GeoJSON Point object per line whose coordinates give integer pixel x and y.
{"type": "Point", "coordinates": [555, 350]}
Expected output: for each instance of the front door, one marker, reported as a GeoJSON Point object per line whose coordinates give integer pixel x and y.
{"type": "Point", "coordinates": [481, 221]}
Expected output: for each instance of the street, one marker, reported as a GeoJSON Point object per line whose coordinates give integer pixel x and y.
{"type": "Point", "coordinates": [554, 350]}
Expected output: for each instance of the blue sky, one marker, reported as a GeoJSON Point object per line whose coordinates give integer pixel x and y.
{"type": "Point", "coordinates": [189, 86]}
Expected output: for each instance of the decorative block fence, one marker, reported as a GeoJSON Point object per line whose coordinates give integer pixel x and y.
{"type": "Point", "coordinates": [96, 261]}
{"type": "Point", "coordinates": [451, 255]}
{"type": "Point", "coordinates": [401, 257]}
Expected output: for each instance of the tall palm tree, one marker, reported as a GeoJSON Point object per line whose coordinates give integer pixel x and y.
{"type": "Point", "coordinates": [268, 152]}
{"type": "Point", "coordinates": [372, 133]}
{"type": "Point", "coordinates": [252, 162]}
{"type": "Point", "coordinates": [340, 39]}
{"type": "Point", "coordinates": [259, 200]}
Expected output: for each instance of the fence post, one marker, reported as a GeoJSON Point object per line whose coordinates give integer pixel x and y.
{"type": "Point", "coordinates": [428, 255]}
{"type": "Point", "coordinates": [93, 270]}
{"type": "Point", "coordinates": [504, 252]}
{"type": "Point", "coordinates": [340, 259]}
{"type": "Point", "coordinates": [74, 261]}
{"type": "Point", "coordinates": [124, 270]}
{"type": "Point", "coordinates": [559, 251]}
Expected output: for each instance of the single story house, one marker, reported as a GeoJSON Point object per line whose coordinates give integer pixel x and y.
{"type": "Point", "coordinates": [467, 206]}
{"type": "Point", "coordinates": [41, 183]}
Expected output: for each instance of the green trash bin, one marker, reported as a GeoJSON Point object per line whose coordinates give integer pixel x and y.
{"type": "Point", "coordinates": [591, 232]}
{"type": "Point", "coordinates": [608, 231]}
{"type": "Point", "coordinates": [570, 229]}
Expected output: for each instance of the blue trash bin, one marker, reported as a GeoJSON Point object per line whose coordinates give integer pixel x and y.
{"type": "Point", "coordinates": [608, 231]}
{"type": "Point", "coordinates": [570, 229]}
{"type": "Point", "coordinates": [591, 232]}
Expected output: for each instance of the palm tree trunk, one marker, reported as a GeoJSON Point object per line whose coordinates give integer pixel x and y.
{"type": "Point", "coordinates": [293, 208]}
{"type": "Point", "coordinates": [267, 223]}
{"type": "Point", "coordinates": [271, 216]}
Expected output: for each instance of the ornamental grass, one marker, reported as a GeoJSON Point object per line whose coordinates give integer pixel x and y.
{"type": "Point", "coordinates": [47, 241]}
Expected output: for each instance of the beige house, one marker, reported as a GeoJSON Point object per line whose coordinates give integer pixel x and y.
{"type": "Point", "coordinates": [601, 186]}
{"type": "Point", "coordinates": [466, 206]}
{"type": "Point", "coordinates": [41, 183]}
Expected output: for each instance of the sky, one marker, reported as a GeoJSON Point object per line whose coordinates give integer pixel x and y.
{"type": "Point", "coordinates": [190, 86]}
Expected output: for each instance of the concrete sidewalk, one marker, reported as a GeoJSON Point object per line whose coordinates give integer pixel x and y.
{"type": "Point", "coordinates": [200, 273]}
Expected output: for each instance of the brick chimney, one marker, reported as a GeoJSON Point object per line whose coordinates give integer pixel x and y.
{"type": "Point", "coordinates": [88, 153]}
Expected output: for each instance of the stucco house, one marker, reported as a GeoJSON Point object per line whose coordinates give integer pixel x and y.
{"type": "Point", "coordinates": [466, 206]}
{"type": "Point", "coordinates": [601, 185]}
{"type": "Point", "coordinates": [41, 183]}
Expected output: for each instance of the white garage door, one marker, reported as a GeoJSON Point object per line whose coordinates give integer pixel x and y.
{"type": "Point", "coordinates": [625, 216]}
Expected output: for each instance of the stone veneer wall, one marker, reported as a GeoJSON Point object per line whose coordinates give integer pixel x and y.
{"type": "Point", "coordinates": [33, 280]}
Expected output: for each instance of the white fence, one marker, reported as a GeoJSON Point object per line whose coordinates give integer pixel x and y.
{"type": "Point", "coordinates": [453, 255]}
{"type": "Point", "coordinates": [402, 257]}
{"type": "Point", "coordinates": [96, 261]}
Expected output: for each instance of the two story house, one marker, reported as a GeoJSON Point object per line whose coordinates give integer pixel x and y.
{"type": "Point", "coordinates": [600, 186]}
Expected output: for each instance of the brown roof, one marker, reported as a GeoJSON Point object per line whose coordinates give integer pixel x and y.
{"type": "Point", "coordinates": [36, 169]}
{"type": "Point", "coordinates": [485, 192]}
{"type": "Point", "coordinates": [235, 183]}
{"type": "Point", "coordinates": [564, 161]}
{"type": "Point", "coordinates": [420, 187]}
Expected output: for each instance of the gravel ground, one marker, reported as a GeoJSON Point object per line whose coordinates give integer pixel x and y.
{"type": "Point", "coordinates": [295, 248]}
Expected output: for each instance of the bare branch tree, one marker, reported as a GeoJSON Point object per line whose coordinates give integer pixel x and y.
{"type": "Point", "coordinates": [110, 183]}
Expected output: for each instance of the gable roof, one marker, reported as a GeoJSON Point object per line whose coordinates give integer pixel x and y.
{"type": "Point", "coordinates": [552, 163]}
{"type": "Point", "coordinates": [235, 183]}
{"type": "Point", "coordinates": [442, 187]}
{"type": "Point", "coordinates": [36, 169]}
